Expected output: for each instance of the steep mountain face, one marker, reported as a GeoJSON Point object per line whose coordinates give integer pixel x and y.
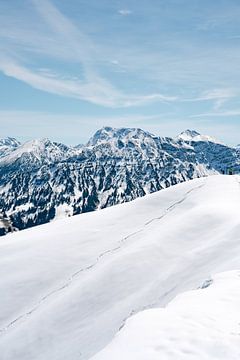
{"type": "Point", "coordinates": [36, 153]}
{"type": "Point", "coordinates": [43, 180]}
{"type": "Point", "coordinates": [8, 145]}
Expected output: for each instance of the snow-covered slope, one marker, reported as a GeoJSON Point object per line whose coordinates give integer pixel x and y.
{"type": "Point", "coordinates": [199, 324]}
{"type": "Point", "coordinates": [192, 135]}
{"type": "Point", "coordinates": [8, 145]}
{"type": "Point", "coordinates": [68, 286]}
{"type": "Point", "coordinates": [36, 152]}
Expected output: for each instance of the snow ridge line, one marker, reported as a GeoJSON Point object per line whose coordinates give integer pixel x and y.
{"type": "Point", "coordinates": [89, 267]}
{"type": "Point", "coordinates": [143, 308]}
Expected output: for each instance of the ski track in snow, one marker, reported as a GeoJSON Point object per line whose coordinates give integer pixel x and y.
{"type": "Point", "coordinates": [102, 255]}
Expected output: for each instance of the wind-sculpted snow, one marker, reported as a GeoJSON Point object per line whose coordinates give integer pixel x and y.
{"type": "Point", "coordinates": [199, 324]}
{"type": "Point", "coordinates": [68, 286]}
{"type": "Point", "coordinates": [43, 180]}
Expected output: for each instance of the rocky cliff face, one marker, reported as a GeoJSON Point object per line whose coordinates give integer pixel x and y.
{"type": "Point", "coordinates": [8, 145]}
{"type": "Point", "coordinates": [43, 180]}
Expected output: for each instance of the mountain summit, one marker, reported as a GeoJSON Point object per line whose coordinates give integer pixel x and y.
{"type": "Point", "coordinates": [193, 135]}
{"type": "Point", "coordinates": [108, 134]}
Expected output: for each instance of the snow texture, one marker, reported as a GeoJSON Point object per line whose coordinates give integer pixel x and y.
{"type": "Point", "coordinates": [67, 287]}
{"type": "Point", "coordinates": [199, 324]}
{"type": "Point", "coordinates": [192, 135]}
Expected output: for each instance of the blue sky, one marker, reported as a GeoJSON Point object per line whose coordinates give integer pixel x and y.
{"type": "Point", "coordinates": [68, 68]}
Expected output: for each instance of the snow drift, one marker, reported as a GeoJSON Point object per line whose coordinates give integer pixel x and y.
{"type": "Point", "coordinates": [68, 286]}
{"type": "Point", "coordinates": [200, 324]}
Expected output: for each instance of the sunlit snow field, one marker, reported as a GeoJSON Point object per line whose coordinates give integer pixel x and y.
{"type": "Point", "coordinates": [67, 287]}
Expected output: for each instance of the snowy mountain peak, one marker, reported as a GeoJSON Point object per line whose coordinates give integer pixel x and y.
{"type": "Point", "coordinates": [9, 141]}
{"type": "Point", "coordinates": [7, 145]}
{"type": "Point", "coordinates": [189, 134]}
{"type": "Point", "coordinates": [101, 135]}
{"type": "Point", "coordinates": [38, 150]}
{"type": "Point", "coordinates": [108, 135]}
{"type": "Point", "coordinates": [193, 135]}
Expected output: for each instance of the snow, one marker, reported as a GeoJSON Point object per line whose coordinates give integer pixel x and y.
{"type": "Point", "coordinates": [24, 207]}
{"type": "Point", "coordinates": [33, 146]}
{"type": "Point", "coordinates": [9, 142]}
{"type": "Point", "coordinates": [108, 135]}
{"type": "Point", "coordinates": [192, 135]}
{"type": "Point", "coordinates": [199, 324]}
{"type": "Point", "coordinates": [117, 165]}
{"type": "Point", "coordinates": [63, 211]}
{"type": "Point", "coordinates": [68, 286]}
{"type": "Point", "coordinates": [8, 145]}
{"type": "Point", "coordinates": [39, 150]}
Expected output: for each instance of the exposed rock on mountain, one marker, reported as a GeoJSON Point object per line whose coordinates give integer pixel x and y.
{"type": "Point", "coordinates": [43, 180]}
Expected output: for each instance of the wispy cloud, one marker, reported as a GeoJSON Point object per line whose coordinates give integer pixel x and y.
{"type": "Point", "coordinates": [125, 12]}
{"type": "Point", "coordinates": [67, 42]}
{"type": "Point", "coordinates": [218, 96]}
{"type": "Point", "coordinates": [95, 90]}
{"type": "Point", "coordinates": [224, 113]}
{"type": "Point", "coordinates": [51, 52]}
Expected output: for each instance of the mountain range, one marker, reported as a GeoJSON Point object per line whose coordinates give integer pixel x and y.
{"type": "Point", "coordinates": [42, 180]}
